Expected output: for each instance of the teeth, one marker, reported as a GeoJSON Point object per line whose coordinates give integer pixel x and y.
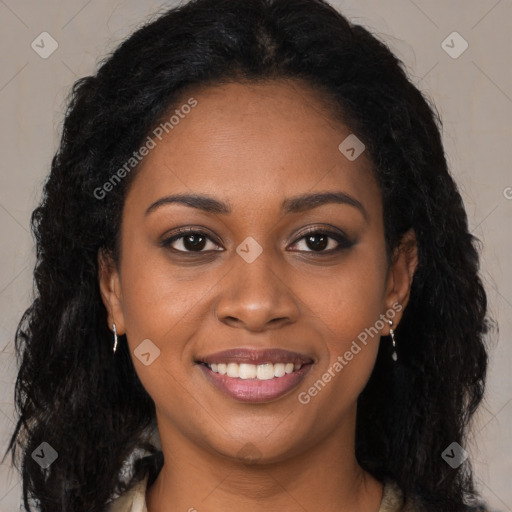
{"type": "Point", "coordinates": [265, 371]}
{"type": "Point", "coordinates": [244, 371]}
{"type": "Point", "coordinates": [247, 371]}
{"type": "Point", "coordinates": [233, 370]}
{"type": "Point", "coordinates": [279, 370]}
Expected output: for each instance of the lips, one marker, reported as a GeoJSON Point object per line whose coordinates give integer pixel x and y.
{"type": "Point", "coordinates": [255, 375]}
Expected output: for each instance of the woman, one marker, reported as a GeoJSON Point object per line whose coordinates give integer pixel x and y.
{"type": "Point", "coordinates": [256, 287]}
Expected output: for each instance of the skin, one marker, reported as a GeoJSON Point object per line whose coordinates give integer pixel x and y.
{"type": "Point", "coordinates": [252, 146]}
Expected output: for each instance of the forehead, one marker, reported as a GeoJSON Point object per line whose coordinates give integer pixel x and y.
{"type": "Point", "coordinates": [251, 142]}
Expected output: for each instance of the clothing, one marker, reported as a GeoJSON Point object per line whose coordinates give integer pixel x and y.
{"type": "Point", "coordinates": [134, 500]}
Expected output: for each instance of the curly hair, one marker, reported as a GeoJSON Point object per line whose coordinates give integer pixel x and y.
{"type": "Point", "coordinates": [91, 408]}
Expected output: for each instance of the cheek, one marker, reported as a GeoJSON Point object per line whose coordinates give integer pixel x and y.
{"type": "Point", "coordinates": [348, 307]}
{"type": "Point", "coordinates": [159, 298]}
{"type": "Point", "coordinates": [349, 299]}
{"type": "Point", "coordinates": [159, 306]}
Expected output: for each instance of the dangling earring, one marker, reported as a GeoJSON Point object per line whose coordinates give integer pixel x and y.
{"type": "Point", "coordinates": [394, 355]}
{"type": "Point", "coordinates": [115, 338]}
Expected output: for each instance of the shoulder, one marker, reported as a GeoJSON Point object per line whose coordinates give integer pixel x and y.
{"type": "Point", "coordinates": [393, 500]}
{"type": "Point", "coordinates": [133, 500]}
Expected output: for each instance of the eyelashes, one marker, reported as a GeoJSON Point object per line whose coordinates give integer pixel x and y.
{"type": "Point", "coordinates": [196, 241]}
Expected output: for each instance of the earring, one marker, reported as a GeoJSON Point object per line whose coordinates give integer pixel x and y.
{"type": "Point", "coordinates": [394, 355]}
{"type": "Point", "coordinates": [115, 338]}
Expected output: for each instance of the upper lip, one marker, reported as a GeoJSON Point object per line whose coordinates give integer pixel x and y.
{"type": "Point", "coordinates": [256, 356]}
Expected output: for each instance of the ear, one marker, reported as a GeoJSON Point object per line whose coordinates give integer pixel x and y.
{"type": "Point", "coordinates": [400, 275]}
{"type": "Point", "coordinates": [110, 289]}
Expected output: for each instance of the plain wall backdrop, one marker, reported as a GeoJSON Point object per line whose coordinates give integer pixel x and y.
{"type": "Point", "coordinates": [471, 87]}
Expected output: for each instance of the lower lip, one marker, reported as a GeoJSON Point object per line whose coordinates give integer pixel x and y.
{"type": "Point", "coordinates": [254, 390]}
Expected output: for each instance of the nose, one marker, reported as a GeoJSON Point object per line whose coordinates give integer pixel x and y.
{"type": "Point", "coordinates": [255, 297]}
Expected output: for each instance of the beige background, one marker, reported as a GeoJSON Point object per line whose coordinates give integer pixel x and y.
{"type": "Point", "coordinates": [473, 94]}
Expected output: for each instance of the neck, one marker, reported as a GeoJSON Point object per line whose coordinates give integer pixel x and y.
{"type": "Point", "coordinates": [325, 477]}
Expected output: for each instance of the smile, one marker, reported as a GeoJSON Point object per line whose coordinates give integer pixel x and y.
{"type": "Point", "coordinates": [255, 375]}
{"type": "Point", "coordinates": [265, 371]}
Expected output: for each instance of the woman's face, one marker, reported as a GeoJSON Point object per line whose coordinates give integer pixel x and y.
{"type": "Point", "coordinates": [252, 280]}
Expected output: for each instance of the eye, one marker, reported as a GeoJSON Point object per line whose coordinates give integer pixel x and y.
{"type": "Point", "coordinates": [190, 240]}
{"type": "Point", "coordinates": [320, 241]}
{"type": "Point", "coordinates": [323, 241]}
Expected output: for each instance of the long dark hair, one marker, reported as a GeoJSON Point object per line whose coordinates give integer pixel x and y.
{"type": "Point", "coordinates": [90, 407]}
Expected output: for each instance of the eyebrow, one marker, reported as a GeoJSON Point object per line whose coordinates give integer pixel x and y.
{"type": "Point", "coordinates": [295, 204]}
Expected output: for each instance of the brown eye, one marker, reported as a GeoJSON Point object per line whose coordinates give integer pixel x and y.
{"type": "Point", "coordinates": [324, 242]}
{"type": "Point", "coordinates": [190, 241]}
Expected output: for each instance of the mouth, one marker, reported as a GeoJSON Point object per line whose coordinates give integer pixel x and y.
{"type": "Point", "coordinates": [255, 375]}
